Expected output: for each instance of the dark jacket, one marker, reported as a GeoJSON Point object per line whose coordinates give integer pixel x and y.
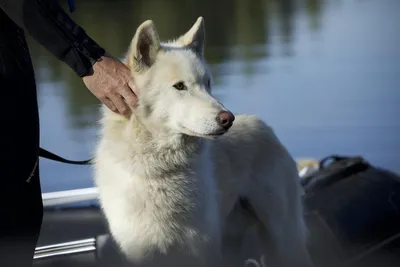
{"type": "Point", "coordinates": [48, 23]}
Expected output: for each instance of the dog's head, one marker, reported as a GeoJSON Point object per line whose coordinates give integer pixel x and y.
{"type": "Point", "coordinates": [174, 83]}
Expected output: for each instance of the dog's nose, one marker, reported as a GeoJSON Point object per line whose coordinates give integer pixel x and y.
{"type": "Point", "coordinates": [225, 119]}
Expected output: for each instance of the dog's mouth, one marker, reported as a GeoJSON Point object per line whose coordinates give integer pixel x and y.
{"type": "Point", "coordinates": [216, 134]}
{"type": "Point", "coordinates": [208, 135]}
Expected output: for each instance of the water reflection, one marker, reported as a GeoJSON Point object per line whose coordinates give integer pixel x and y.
{"type": "Point", "coordinates": [235, 29]}
{"type": "Point", "coordinates": [284, 60]}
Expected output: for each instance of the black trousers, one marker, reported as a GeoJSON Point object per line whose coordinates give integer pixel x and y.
{"type": "Point", "coordinates": [21, 207]}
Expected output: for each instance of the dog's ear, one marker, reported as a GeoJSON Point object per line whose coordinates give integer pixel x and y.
{"type": "Point", "coordinates": [144, 47]}
{"type": "Point", "coordinates": [195, 37]}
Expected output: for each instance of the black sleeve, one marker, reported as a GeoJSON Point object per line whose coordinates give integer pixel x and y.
{"type": "Point", "coordinates": [48, 23]}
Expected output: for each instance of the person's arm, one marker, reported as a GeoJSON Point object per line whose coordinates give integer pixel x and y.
{"type": "Point", "coordinates": [48, 23]}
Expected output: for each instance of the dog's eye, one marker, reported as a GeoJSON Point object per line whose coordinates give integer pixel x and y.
{"type": "Point", "coordinates": [180, 86]}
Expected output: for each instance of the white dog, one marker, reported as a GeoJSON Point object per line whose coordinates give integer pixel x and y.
{"type": "Point", "coordinates": [182, 180]}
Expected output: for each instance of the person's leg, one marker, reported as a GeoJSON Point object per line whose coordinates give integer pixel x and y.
{"type": "Point", "coordinates": [21, 208]}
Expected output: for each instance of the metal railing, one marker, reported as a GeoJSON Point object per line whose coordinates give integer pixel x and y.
{"type": "Point", "coordinates": [52, 199]}
{"type": "Point", "coordinates": [67, 248]}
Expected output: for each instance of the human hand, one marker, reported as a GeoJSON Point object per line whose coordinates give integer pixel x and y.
{"type": "Point", "coordinates": [111, 82]}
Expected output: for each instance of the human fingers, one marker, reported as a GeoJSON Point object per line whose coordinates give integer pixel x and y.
{"type": "Point", "coordinates": [121, 106]}
{"type": "Point", "coordinates": [133, 87]}
{"type": "Point", "coordinates": [109, 103]}
{"type": "Point", "coordinates": [129, 96]}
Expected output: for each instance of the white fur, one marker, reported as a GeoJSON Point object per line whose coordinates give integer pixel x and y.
{"type": "Point", "coordinates": [170, 188]}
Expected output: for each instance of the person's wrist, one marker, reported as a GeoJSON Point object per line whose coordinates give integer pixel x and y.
{"type": "Point", "coordinates": [93, 65]}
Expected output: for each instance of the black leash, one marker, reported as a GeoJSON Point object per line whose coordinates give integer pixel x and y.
{"type": "Point", "coordinates": [51, 156]}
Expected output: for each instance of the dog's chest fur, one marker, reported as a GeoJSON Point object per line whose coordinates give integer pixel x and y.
{"type": "Point", "coordinates": [159, 202]}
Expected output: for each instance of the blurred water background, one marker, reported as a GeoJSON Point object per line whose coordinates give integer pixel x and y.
{"type": "Point", "coordinates": [324, 73]}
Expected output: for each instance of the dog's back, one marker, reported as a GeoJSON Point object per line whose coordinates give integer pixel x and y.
{"type": "Point", "coordinates": [252, 165]}
{"type": "Point", "coordinates": [251, 153]}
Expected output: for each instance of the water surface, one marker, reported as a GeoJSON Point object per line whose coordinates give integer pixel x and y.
{"type": "Point", "coordinates": [324, 74]}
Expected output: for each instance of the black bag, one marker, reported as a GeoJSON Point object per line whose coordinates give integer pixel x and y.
{"type": "Point", "coordinates": [353, 213]}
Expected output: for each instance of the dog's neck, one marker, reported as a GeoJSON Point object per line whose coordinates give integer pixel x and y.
{"type": "Point", "coordinates": [165, 152]}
